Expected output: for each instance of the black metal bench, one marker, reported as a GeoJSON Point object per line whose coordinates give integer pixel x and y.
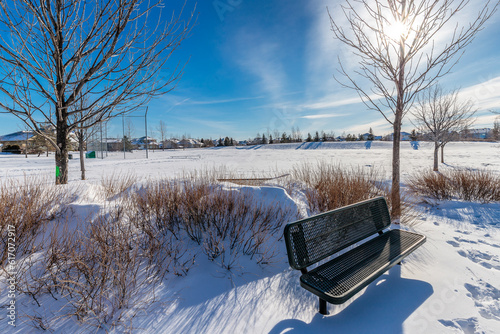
{"type": "Point", "coordinates": [377, 249]}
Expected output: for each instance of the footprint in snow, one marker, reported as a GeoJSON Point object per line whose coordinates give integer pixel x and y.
{"type": "Point", "coordinates": [470, 325]}
{"type": "Point", "coordinates": [485, 259]}
{"type": "Point", "coordinates": [460, 239]}
{"type": "Point", "coordinates": [486, 299]}
{"type": "Point", "coordinates": [487, 243]}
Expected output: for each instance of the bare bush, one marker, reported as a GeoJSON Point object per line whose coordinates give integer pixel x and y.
{"type": "Point", "coordinates": [464, 184]}
{"type": "Point", "coordinates": [431, 184]}
{"type": "Point", "coordinates": [29, 205]}
{"type": "Point", "coordinates": [224, 223]}
{"type": "Point", "coordinates": [333, 186]}
{"type": "Point", "coordinates": [116, 184]}
{"type": "Point", "coordinates": [97, 268]}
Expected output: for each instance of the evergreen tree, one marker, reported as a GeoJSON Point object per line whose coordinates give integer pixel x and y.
{"type": "Point", "coordinates": [127, 143]}
{"type": "Point", "coordinates": [316, 136]}
{"type": "Point", "coordinates": [221, 142]}
{"type": "Point", "coordinates": [309, 138]}
{"type": "Point", "coordinates": [264, 139]}
{"type": "Point", "coordinates": [284, 138]}
{"type": "Point", "coordinates": [413, 135]}
{"type": "Point", "coordinates": [324, 138]}
{"type": "Point", "coordinates": [361, 137]}
{"type": "Point", "coordinates": [270, 139]}
{"type": "Point", "coordinates": [227, 142]}
{"type": "Point", "coordinates": [370, 136]}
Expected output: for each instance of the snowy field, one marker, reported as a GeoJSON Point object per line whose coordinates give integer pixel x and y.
{"type": "Point", "coordinates": [449, 285]}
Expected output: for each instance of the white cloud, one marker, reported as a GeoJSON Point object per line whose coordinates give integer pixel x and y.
{"type": "Point", "coordinates": [379, 127]}
{"type": "Point", "coordinates": [485, 95]}
{"type": "Point", "coordinates": [225, 100]}
{"type": "Point", "coordinates": [320, 116]}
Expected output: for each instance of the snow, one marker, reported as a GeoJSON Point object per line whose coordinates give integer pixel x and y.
{"type": "Point", "coordinates": [448, 285]}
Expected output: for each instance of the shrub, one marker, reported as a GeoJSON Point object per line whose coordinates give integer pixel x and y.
{"type": "Point", "coordinates": [431, 184]}
{"type": "Point", "coordinates": [28, 206]}
{"type": "Point", "coordinates": [464, 184]}
{"type": "Point", "coordinates": [97, 268]}
{"type": "Point", "coordinates": [329, 186]}
{"type": "Point", "coordinates": [115, 184]}
{"type": "Point", "coordinates": [224, 223]}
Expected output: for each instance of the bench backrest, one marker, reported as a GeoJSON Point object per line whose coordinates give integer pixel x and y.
{"type": "Point", "coordinates": [313, 239]}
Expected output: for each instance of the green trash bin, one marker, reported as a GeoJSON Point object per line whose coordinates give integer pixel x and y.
{"type": "Point", "coordinates": [90, 155]}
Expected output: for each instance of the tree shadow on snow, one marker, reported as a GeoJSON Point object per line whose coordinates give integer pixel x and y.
{"type": "Point", "coordinates": [382, 308]}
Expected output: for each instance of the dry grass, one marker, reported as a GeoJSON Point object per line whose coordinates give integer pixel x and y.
{"type": "Point", "coordinates": [116, 184]}
{"type": "Point", "coordinates": [330, 186]}
{"type": "Point", "coordinates": [464, 184]}
{"type": "Point", "coordinates": [225, 224]}
{"type": "Point", "coordinates": [97, 268]}
{"type": "Point", "coordinates": [29, 205]}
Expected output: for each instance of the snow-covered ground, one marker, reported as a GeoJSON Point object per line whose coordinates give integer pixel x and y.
{"type": "Point", "coordinates": [449, 285]}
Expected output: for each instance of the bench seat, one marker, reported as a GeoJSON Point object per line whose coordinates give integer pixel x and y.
{"type": "Point", "coordinates": [358, 244]}
{"type": "Point", "coordinates": [339, 279]}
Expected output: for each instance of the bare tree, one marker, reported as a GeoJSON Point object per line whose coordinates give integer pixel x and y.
{"type": "Point", "coordinates": [162, 129]}
{"type": "Point", "coordinates": [83, 131]}
{"type": "Point", "coordinates": [395, 42]}
{"type": "Point", "coordinates": [495, 132]}
{"type": "Point", "coordinates": [442, 115]}
{"type": "Point", "coordinates": [114, 52]}
{"type": "Point", "coordinates": [129, 128]}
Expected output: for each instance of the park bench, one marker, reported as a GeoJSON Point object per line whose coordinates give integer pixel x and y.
{"type": "Point", "coordinates": [360, 244]}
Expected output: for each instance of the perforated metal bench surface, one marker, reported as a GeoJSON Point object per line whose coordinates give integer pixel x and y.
{"type": "Point", "coordinates": [315, 238]}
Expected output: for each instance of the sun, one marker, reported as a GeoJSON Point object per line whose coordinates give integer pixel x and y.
{"type": "Point", "coordinates": [396, 30]}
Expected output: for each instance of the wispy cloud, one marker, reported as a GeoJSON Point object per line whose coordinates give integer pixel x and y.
{"type": "Point", "coordinates": [334, 102]}
{"type": "Point", "coordinates": [239, 99]}
{"type": "Point", "coordinates": [379, 127]}
{"type": "Point", "coordinates": [485, 95]}
{"type": "Point", "coordinates": [320, 116]}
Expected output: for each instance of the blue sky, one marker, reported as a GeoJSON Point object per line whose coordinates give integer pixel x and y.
{"type": "Point", "coordinates": [258, 66]}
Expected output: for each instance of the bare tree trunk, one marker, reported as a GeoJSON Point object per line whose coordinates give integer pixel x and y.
{"type": "Point", "coordinates": [62, 152]}
{"type": "Point", "coordinates": [442, 154]}
{"type": "Point", "coordinates": [395, 191]}
{"type": "Point", "coordinates": [436, 151]}
{"type": "Point", "coordinates": [26, 146]}
{"type": "Point", "coordinates": [82, 155]}
{"type": "Point", "coordinates": [398, 119]}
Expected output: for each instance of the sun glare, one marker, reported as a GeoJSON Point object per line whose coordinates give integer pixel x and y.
{"type": "Point", "coordinates": [395, 30]}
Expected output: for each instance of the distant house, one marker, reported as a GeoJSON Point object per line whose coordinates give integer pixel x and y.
{"type": "Point", "coordinates": [190, 143]}
{"type": "Point", "coordinates": [255, 141]}
{"type": "Point", "coordinates": [140, 143]}
{"type": "Point", "coordinates": [171, 144]}
{"type": "Point", "coordinates": [479, 133]}
{"type": "Point", "coordinates": [20, 139]}
{"type": "Point", "coordinates": [114, 144]}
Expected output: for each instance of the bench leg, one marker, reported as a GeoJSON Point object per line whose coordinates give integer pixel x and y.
{"type": "Point", "coordinates": [322, 307]}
